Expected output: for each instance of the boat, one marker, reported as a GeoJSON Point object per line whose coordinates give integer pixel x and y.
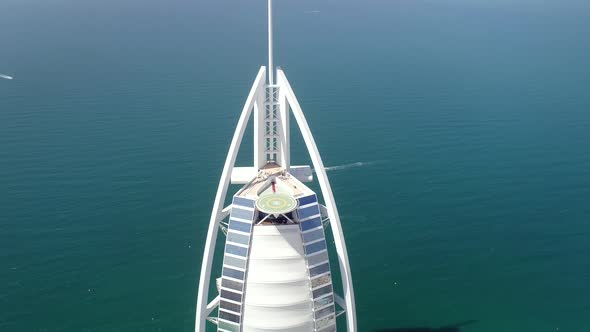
{"type": "Point", "coordinates": [276, 273]}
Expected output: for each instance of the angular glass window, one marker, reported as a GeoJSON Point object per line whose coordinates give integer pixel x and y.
{"type": "Point", "coordinates": [313, 235]}
{"type": "Point", "coordinates": [230, 306]}
{"type": "Point", "coordinates": [324, 312]}
{"type": "Point", "coordinates": [310, 224]}
{"type": "Point", "coordinates": [234, 261]}
{"type": "Point", "coordinates": [238, 238]}
{"type": "Point", "coordinates": [240, 226]}
{"type": "Point", "coordinates": [314, 271]}
{"type": "Point", "coordinates": [331, 328]}
{"type": "Point", "coordinates": [242, 214]}
{"type": "Point", "coordinates": [322, 280]}
{"type": "Point", "coordinates": [322, 291]}
{"type": "Point", "coordinates": [228, 326]}
{"type": "Point", "coordinates": [317, 259]}
{"type": "Point", "coordinates": [235, 250]}
{"type": "Point", "coordinates": [232, 284]}
{"type": "Point", "coordinates": [307, 200]}
{"type": "Point", "coordinates": [315, 247]}
{"type": "Point", "coordinates": [229, 316]}
{"type": "Point", "coordinates": [323, 302]}
{"type": "Point", "coordinates": [308, 212]}
{"type": "Point", "coordinates": [324, 322]}
{"type": "Point", "coordinates": [227, 272]}
{"type": "Point", "coordinates": [225, 294]}
{"type": "Point", "coordinates": [243, 202]}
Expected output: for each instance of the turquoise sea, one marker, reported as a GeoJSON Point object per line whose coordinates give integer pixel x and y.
{"type": "Point", "coordinates": [470, 120]}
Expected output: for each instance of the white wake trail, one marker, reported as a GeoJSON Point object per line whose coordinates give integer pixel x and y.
{"type": "Point", "coordinates": [351, 165]}
{"type": "Point", "coordinates": [6, 77]}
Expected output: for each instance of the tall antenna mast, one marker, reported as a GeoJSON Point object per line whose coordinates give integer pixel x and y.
{"type": "Point", "coordinates": [271, 68]}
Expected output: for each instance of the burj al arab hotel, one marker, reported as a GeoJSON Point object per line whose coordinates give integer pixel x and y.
{"type": "Point", "coordinates": [276, 275]}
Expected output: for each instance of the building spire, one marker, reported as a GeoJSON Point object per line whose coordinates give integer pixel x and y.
{"type": "Point", "coordinates": [271, 69]}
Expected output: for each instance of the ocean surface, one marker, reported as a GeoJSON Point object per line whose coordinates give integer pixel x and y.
{"type": "Point", "coordinates": [457, 133]}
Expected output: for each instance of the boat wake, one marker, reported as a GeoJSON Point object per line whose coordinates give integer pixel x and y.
{"type": "Point", "coordinates": [6, 77]}
{"type": "Point", "coordinates": [351, 165]}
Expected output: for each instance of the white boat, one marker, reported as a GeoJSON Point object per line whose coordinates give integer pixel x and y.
{"type": "Point", "coordinates": [276, 274]}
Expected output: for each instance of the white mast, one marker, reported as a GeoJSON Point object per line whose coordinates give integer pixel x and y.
{"type": "Point", "coordinates": [271, 79]}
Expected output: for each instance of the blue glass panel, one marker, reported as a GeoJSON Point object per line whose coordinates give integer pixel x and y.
{"type": "Point", "coordinates": [235, 250]}
{"type": "Point", "coordinates": [227, 272]}
{"type": "Point", "coordinates": [308, 212]}
{"type": "Point", "coordinates": [322, 291]}
{"type": "Point", "coordinates": [242, 214]}
{"type": "Point", "coordinates": [324, 312]}
{"type": "Point", "coordinates": [235, 285]}
{"type": "Point", "coordinates": [315, 247]}
{"type": "Point", "coordinates": [312, 236]}
{"type": "Point", "coordinates": [240, 226]}
{"type": "Point", "coordinates": [307, 200]}
{"type": "Point", "coordinates": [238, 238]}
{"type": "Point", "coordinates": [234, 261]}
{"type": "Point", "coordinates": [310, 224]}
{"type": "Point", "coordinates": [230, 306]}
{"type": "Point", "coordinates": [321, 280]}
{"type": "Point", "coordinates": [323, 301]}
{"type": "Point", "coordinates": [325, 322]}
{"type": "Point", "coordinates": [316, 259]}
{"type": "Point", "coordinates": [314, 271]}
{"type": "Point", "coordinates": [225, 294]}
{"type": "Point", "coordinates": [228, 326]}
{"type": "Point", "coordinates": [229, 316]}
{"type": "Point", "coordinates": [243, 202]}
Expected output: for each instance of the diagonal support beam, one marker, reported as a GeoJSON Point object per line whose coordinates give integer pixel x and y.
{"type": "Point", "coordinates": [212, 305]}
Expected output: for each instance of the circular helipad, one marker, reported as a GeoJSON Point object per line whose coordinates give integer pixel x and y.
{"type": "Point", "coordinates": [276, 203]}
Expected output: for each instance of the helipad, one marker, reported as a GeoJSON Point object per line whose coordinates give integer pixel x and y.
{"type": "Point", "coordinates": [276, 203]}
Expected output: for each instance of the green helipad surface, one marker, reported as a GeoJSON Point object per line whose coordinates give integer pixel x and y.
{"type": "Point", "coordinates": [276, 203]}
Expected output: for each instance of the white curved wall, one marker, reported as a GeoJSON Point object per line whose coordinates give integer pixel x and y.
{"type": "Point", "coordinates": [277, 296]}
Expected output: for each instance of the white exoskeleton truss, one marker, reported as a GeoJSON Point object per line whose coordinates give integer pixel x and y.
{"type": "Point", "coordinates": [255, 102]}
{"type": "Point", "coordinates": [271, 103]}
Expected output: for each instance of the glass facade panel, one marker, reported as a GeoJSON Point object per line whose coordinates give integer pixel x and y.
{"type": "Point", "coordinates": [243, 202]}
{"type": "Point", "coordinates": [314, 271]}
{"type": "Point", "coordinates": [242, 214]}
{"type": "Point", "coordinates": [308, 212]}
{"type": "Point", "coordinates": [316, 259]}
{"type": "Point", "coordinates": [324, 322]}
{"type": "Point", "coordinates": [225, 294]}
{"type": "Point", "coordinates": [230, 306]}
{"type": "Point", "coordinates": [331, 328]}
{"type": "Point", "coordinates": [322, 291]}
{"type": "Point", "coordinates": [307, 200]}
{"type": "Point", "coordinates": [240, 226]}
{"type": "Point", "coordinates": [232, 284]}
{"type": "Point", "coordinates": [310, 224]}
{"type": "Point", "coordinates": [236, 274]}
{"type": "Point", "coordinates": [325, 279]}
{"type": "Point", "coordinates": [234, 261]}
{"type": "Point", "coordinates": [315, 247]}
{"type": "Point", "coordinates": [229, 316]}
{"type": "Point", "coordinates": [314, 235]}
{"type": "Point", "coordinates": [238, 238]}
{"type": "Point", "coordinates": [324, 312]}
{"type": "Point", "coordinates": [235, 250]}
{"type": "Point", "coordinates": [323, 301]}
{"type": "Point", "coordinates": [229, 326]}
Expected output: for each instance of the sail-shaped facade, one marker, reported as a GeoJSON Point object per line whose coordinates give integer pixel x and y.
{"type": "Point", "coordinates": [276, 274]}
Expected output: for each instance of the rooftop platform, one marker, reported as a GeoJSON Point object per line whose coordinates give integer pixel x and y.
{"type": "Point", "coordinates": [285, 183]}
